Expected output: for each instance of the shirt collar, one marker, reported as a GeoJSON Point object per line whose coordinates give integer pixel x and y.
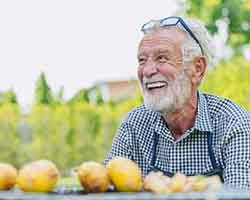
{"type": "Point", "coordinates": [202, 119]}
{"type": "Point", "coordinates": [161, 127]}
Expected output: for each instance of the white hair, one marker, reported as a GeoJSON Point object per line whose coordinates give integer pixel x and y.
{"type": "Point", "coordinates": [190, 48]}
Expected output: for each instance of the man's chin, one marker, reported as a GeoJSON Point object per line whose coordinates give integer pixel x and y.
{"type": "Point", "coordinates": [156, 107]}
{"type": "Point", "coordinates": [158, 103]}
{"type": "Point", "coordinates": [163, 111]}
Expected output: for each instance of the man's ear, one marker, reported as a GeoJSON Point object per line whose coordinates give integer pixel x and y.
{"type": "Point", "coordinates": [200, 66]}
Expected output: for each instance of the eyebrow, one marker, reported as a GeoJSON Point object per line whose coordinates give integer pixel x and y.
{"type": "Point", "coordinates": [163, 51]}
{"type": "Point", "coordinates": [141, 54]}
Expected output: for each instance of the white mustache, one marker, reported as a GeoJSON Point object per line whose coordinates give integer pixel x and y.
{"type": "Point", "coordinates": [155, 78]}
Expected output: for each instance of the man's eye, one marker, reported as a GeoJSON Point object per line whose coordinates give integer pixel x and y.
{"type": "Point", "coordinates": [162, 58]}
{"type": "Point", "coordinates": [141, 60]}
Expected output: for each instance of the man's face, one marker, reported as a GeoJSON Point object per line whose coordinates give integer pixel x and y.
{"type": "Point", "coordinates": [164, 80]}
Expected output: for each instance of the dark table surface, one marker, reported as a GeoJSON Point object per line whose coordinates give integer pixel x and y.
{"type": "Point", "coordinates": [64, 193]}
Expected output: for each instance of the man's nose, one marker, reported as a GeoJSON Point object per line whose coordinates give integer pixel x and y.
{"type": "Point", "coordinates": [150, 70]}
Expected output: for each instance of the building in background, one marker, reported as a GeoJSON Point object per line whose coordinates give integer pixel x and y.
{"type": "Point", "coordinates": [114, 90]}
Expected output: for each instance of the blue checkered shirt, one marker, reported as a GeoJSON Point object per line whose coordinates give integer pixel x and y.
{"type": "Point", "coordinates": [230, 127]}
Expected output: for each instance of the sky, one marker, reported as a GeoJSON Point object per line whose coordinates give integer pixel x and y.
{"type": "Point", "coordinates": [75, 42]}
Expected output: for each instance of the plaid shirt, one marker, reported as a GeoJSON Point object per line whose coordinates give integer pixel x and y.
{"type": "Point", "coordinates": [228, 123]}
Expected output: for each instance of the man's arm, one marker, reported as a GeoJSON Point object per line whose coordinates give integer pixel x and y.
{"type": "Point", "coordinates": [237, 156]}
{"type": "Point", "coordinates": [121, 145]}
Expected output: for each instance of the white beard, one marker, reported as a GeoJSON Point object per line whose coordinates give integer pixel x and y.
{"type": "Point", "coordinates": [172, 97]}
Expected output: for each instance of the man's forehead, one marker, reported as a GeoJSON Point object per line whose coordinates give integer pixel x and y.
{"type": "Point", "coordinates": [163, 35]}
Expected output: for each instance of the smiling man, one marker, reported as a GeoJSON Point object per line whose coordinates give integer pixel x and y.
{"type": "Point", "coordinates": [179, 128]}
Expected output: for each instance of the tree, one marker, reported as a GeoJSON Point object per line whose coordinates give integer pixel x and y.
{"type": "Point", "coordinates": [80, 96]}
{"type": "Point", "coordinates": [58, 98]}
{"type": "Point", "coordinates": [9, 97]}
{"type": "Point", "coordinates": [236, 13]}
{"type": "Point", "coordinates": [99, 97]}
{"type": "Point", "coordinates": [43, 92]}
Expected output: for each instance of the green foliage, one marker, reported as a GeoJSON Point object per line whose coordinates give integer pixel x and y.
{"type": "Point", "coordinates": [85, 122]}
{"type": "Point", "coordinates": [58, 98]}
{"type": "Point", "coordinates": [9, 97]}
{"type": "Point", "coordinates": [236, 12]}
{"type": "Point", "coordinates": [9, 137]}
{"type": "Point", "coordinates": [43, 92]}
{"type": "Point", "coordinates": [99, 98]}
{"type": "Point", "coordinates": [95, 95]}
{"type": "Point", "coordinates": [230, 79]}
{"type": "Point", "coordinates": [110, 120]}
{"type": "Point", "coordinates": [80, 97]}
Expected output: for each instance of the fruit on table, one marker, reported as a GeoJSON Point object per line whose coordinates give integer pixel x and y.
{"type": "Point", "coordinates": [156, 182]}
{"type": "Point", "coordinates": [199, 183]}
{"type": "Point", "coordinates": [125, 174]}
{"type": "Point", "coordinates": [8, 175]}
{"type": "Point", "coordinates": [38, 176]}
{"type": "Point", "coordinates": [93, 177]}
{"type": "Point", "coordinates": [159, 183]}
{"type": "Point", "coordinates": [177, 183]}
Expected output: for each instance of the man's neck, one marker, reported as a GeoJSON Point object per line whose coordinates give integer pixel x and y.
{"type": "Point", "coordinates": [180, 121]}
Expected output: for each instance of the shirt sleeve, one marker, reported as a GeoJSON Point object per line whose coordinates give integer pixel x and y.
{"type": "Point", "coordinates": [237, 157]}
{"type": "Point", "coordinates": [121, 145]}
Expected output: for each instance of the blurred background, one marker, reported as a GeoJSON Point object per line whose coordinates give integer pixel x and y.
{"type": "Point", "coordinates": [68, 109]}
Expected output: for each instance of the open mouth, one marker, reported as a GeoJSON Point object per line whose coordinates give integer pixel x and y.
{"type": "Point", "coordinates": [156, 85]}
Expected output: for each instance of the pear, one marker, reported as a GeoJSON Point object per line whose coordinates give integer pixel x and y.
{"type": "Point", "coordinates": [178, 182]}
{"type": "Point", "coordinates": [8, 176]}
{"type": "Point", "coordinates": [38, 176]}
{"type": "Point", "coordinates": [156, 182]}
{"type": "Point", "coordinates": [125, 174]}
{"type": "Point", "coordinates": [93, 177]}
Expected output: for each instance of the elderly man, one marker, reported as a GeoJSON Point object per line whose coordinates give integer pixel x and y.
{"type": "Point", "coordinates": [179, 128]}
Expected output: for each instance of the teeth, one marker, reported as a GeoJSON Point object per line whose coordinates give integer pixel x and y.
{"type": "Point", "coordinates": [155, 85]}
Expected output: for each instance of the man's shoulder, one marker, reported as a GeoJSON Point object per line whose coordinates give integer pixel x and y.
{"type": "Point", "coordinates": [140, 116]}
{"type": "Point", "coordinates": [218, 106]}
